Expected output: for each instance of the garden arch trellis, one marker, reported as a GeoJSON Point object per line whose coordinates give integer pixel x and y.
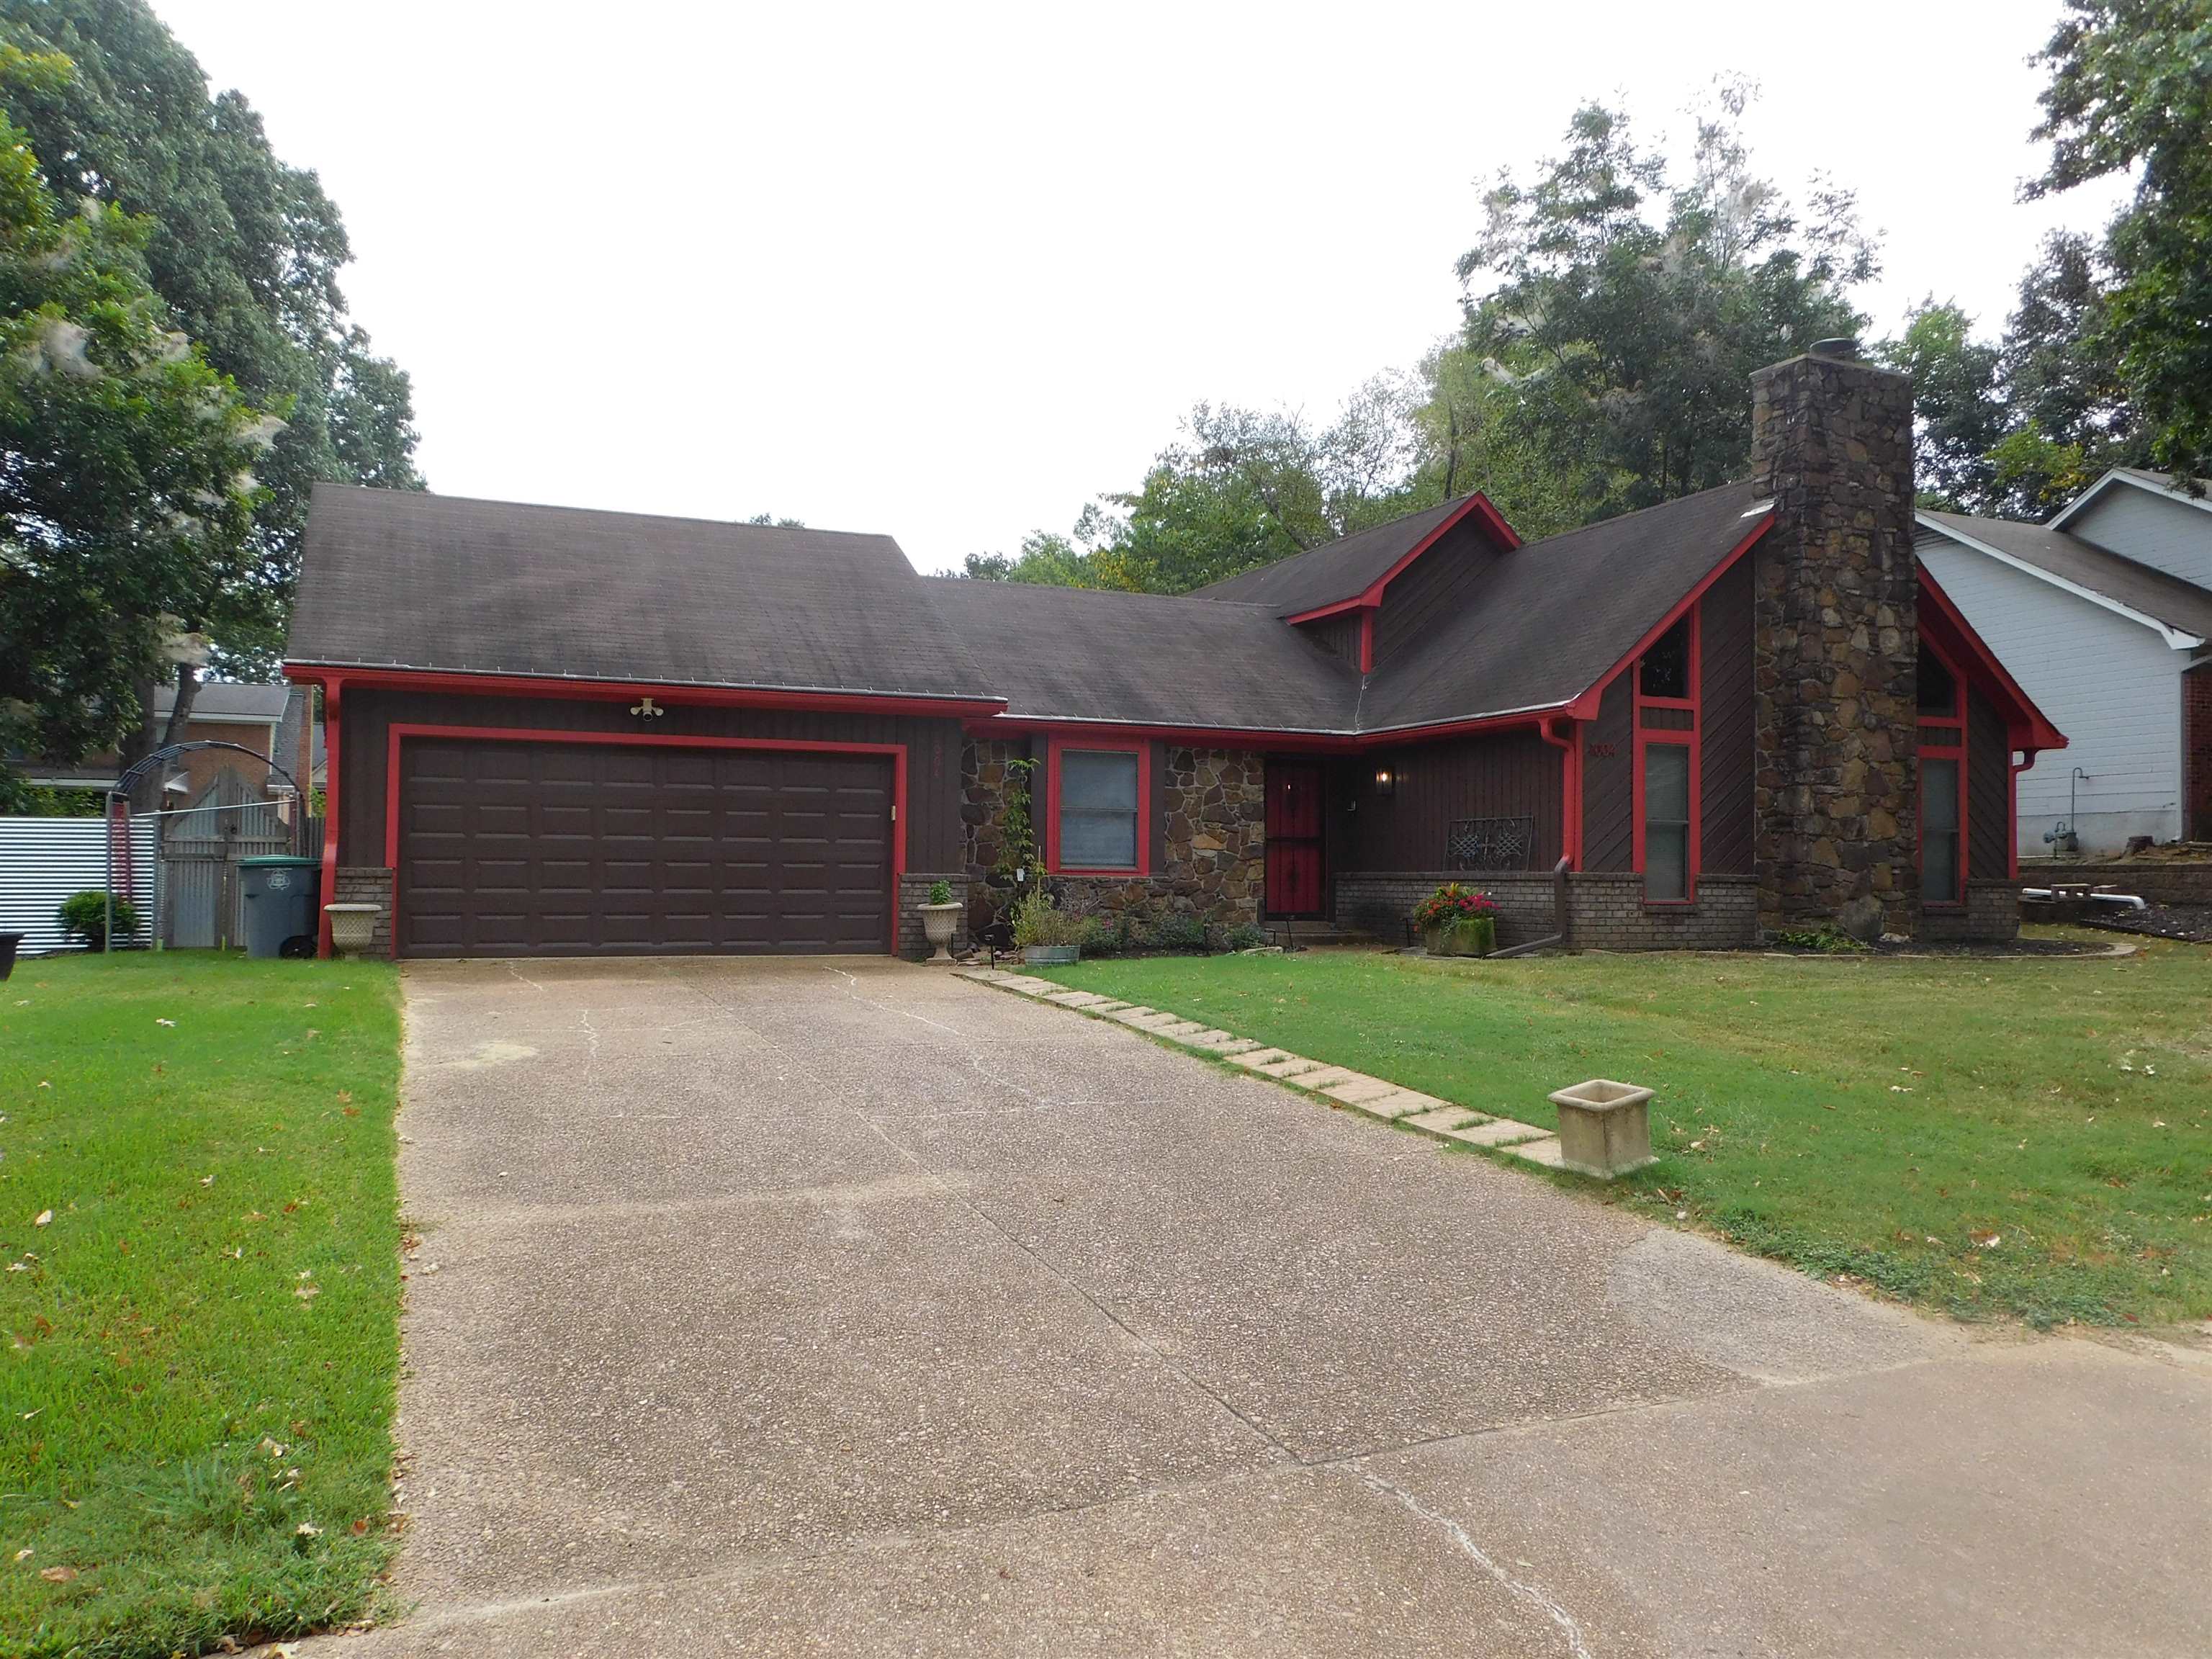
{"type": "Point", "coordinates": [118, 796]}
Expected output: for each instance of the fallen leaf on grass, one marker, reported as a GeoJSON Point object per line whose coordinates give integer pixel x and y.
{"type": "Point", "coordinates": [58, 1575]}
{"type": "Point", "coordinates": [22, 1555]}
{"type": "Point", "coordinates": [165, 1022]}
{"type": "Point", "coordinates": [44, 1216]}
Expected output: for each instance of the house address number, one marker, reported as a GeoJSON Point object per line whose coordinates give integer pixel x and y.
{"type": "Point", "coordinates": [1602, 750]}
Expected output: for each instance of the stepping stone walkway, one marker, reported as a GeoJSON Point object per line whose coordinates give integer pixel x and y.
{"type": "Point", "coordinates": [1378, 1097]}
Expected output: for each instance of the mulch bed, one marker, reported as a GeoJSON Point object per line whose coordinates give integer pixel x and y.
{"type": "Point", "coordinates": [2017, 947]}
{"type": "Point", "coordinates": [2189, 922]}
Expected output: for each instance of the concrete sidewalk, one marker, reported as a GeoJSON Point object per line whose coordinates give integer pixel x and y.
{"type": "Point", "coordinates": [850, 1308]}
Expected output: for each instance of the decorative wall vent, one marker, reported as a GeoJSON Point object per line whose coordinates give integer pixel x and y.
{"type": "Point", "coordinates": [1489, 843]}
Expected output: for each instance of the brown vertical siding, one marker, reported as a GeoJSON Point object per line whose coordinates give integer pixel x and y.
{"type": "Point", "coordinates": [1502, 774]}
{"type": "Point", "coordinates": [1339, 636]}
{"type": "Point", "coordinates": [1433, 587]}
{"type": "Point", "coordinates": [1988, 790]}
{"type": "Point", "coordinates": [1728, 757]}
{"type": "Point", "coordinates": [932, 809]}
{"type": "Point", "coordinates": [1608, 782]}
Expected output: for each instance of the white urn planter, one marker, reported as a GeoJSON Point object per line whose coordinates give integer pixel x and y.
{"type": "Point", "coordinates": [1605, 1127]}
{"type": "Point", "coordinates": [353, 927]}
{"type": "Point", "coordinates": [939, 922]}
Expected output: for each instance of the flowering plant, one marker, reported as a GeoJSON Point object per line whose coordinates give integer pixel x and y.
{"type": "Point", "coordinates": [1452, 903]}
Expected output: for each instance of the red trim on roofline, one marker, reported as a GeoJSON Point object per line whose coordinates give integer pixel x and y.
{"type": "Point", "coordinates": [1477, 504]}
{"type": "Point", "coordinates": [1585, 708]}
{"type": "Point", "coordinates": [675, 692]}
{"type": "Point", "coordinates": [1335, 743]}
{"type": "Point", "coordinates": [897, 752]}
{"type": "Point", "coordinates": [2028, 728]}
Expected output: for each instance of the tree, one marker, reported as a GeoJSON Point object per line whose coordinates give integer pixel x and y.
{"type": "Point", "coordinates": [126, 488]}
{"type": "Point", "coordinates": [1627, 313]}
{"type": "Point", "coordinates": [1958, 415]}
{"type": "Point", "coordinates": [2130, 93]}
{"type": "Point", "coordinates": [246, 252]}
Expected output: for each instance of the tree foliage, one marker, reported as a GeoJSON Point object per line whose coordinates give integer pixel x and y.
{"type": "Point", "coordinates": [246, 253]}
{"type": "Point", "coordinates": [1626, 310]}
{"type": "Point", "coordinates": [126, 488]}
{"type": "Point", "coordinates": [2130, 94]}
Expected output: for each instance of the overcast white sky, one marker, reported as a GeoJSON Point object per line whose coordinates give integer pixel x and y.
{"type": "Point", "coordinates": [946, 273]}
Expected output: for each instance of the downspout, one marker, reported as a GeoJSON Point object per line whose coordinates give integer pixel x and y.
{"type": "Point", "coordinates": [1561, 921]}
{"type": "Point", "coordinates": [1559, 730]}
{"type": "Point", "coordinates": [330, 891]}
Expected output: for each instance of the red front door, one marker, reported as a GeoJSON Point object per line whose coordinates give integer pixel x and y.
{"type": "Point", "coordinates": [1294, 838]}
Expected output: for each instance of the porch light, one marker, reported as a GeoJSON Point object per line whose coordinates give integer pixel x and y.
{"type": "Point", "coordinates": [1386, 780]}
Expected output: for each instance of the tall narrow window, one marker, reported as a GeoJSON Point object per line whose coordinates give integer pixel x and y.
{"type": "Point", "coordinates": [1939, 829]}
{"type": "Point", "coordinates": [1098, 809]}
{"type": "Point", "coordinates": [1663, 672]}
{"type": "Point", "coordinates": [1665, 822]}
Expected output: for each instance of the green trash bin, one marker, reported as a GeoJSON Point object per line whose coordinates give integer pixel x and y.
{"type": "Point", "coordinates": [281, 911]}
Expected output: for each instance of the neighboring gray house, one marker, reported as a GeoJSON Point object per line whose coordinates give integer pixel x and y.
{"type": "Point", "coordinates": [2103, 615]}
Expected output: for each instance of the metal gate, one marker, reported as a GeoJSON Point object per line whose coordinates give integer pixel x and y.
{"type": "Point", "coordinates": [203, 901]}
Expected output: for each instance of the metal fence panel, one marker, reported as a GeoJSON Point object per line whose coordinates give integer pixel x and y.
{"type": "Point", "coordinates": [44, 861]}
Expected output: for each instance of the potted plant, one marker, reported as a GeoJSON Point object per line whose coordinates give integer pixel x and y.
{"type": "Point", "coordinates": [1457, 920]}
{"type": "Point", "coordinates": [8, 944]}
{"type": "Point", "coordinates": [84, 915]}
{"type": "Point", "coordinates": [1047, 935]}
{"type": "Point", "coordinates": [940, 918]}
{"type": "Point", "coordinates": [353, 927]}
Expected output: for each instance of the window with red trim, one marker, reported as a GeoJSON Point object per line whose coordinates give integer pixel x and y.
{"type": "Point", "coordinates": [1941, 698]}
{"type": "Point", "coordinates": [1667, 711]}
{"type": "Point", "coordinates": [1098, 800]}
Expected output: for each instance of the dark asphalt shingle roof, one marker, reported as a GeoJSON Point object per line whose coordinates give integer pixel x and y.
{"type": "Point", "coordinates": [1547, 620]}
{"type": "Point", "coordinates": [2178, 604]}
{"type": "Point", "coordinates": [392, 578]}
{"type": "Point", "coordinates": [226, 699]}
{"type": "Point", "coordinates": [1333, 573]}
{"type": "Point", "coordinates": [435, 582]}
{"type": "Point", "coordinates": [1145, 659]}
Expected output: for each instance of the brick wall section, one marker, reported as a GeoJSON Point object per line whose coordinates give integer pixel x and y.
{"type": "Point", "coordinates": [2155, 880]}
{"type": "Point", "coordinates": [914, 890]}
{"type": "Point", "coordinates": [1380, 904]}
{"type": "Point", "coordinates": [1610, 914]}
{"type": "Point", "coordinates": [361, 884]}
{"type": "Point", "coordinates": [1836, 643]}
{"type": "Point", "coordinates": [1991, 915]}
{"type": "Point", "coordinates": [1607, 910]}
{"type": "Point", "coordinates": [2196, 752]}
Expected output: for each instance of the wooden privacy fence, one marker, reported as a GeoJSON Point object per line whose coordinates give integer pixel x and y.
{"type": "Point", "coordinates": [203, 901]}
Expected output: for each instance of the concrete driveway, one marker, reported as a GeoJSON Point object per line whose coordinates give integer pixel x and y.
{"type": "Point", "coordinates": [853, 1309]}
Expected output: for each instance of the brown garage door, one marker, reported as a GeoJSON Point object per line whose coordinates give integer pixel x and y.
{"type": "Point", "coordinates": [518, 848]}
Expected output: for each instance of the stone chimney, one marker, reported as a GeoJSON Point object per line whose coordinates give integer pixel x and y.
{"type": "Point", "coordinates": [1837, 639]}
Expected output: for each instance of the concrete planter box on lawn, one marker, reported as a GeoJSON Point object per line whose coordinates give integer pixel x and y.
{"type": "Point", "coordinates": [1476, 936]}
{"type": "Point", "coordinates": [1051, 956]}
{"type": "Point", "coordinates": [1605, 1127]}
{"type": "Point", "coordinates": [939, 924]}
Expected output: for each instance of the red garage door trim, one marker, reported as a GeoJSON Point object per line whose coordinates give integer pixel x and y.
{"type": "Point", "coordinates": [642, 740]}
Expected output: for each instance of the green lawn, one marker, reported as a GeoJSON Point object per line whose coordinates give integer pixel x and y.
{"type": "Point", "coordinates": [2024, 1139]}
{"type": "Point", "coordinates": [198, 1216]}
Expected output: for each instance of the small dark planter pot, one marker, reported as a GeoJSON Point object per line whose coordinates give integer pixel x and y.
{"type": "Point", "coordinates": [8, 944]}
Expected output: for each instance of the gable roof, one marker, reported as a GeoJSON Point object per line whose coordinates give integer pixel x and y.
{"type": "Point", "coordinates": [2179, 611]}
{"type": "Point", "coordinates": [227, 700]}
{"type": "Point", "coordinates": [1342, 570]}
{"type": "Point", "coordinates": [397, 579]}
{"type": "Point", "coordinates": [1546, 623]}
{"type": "Point", "coordinates": [2159, 483]}
{"type": "Point", "coordinates": [1075, 654]}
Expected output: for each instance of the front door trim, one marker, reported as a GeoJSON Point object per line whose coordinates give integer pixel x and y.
{"type": "Point", "coordinates": [897, 752]}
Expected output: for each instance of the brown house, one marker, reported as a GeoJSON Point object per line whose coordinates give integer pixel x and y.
{"type": "Point", "coordinates": [554, 731]}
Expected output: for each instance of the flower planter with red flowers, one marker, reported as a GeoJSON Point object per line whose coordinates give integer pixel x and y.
{"type": "Point", "coordinates": [1457, 920]}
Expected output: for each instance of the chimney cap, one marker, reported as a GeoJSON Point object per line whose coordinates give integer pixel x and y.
{"type": "Point", "coordinates": [1844, 346]}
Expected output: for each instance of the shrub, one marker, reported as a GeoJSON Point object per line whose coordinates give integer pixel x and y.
{"type": "Point", "coordinates": [1179, 933]}
{"type": "Point", "coordinates": [1038, 921]}
{"type": "Point", "coordinates": [1101, 938]}
{"type": "Point", "coordinates": [1451, 903]}
{"type": "Point", "coordinates": [1244, 937]}
{"type": "Point", "coordinates": [941, 893]}
{"type": "Point", "coordinates": [84, 915]}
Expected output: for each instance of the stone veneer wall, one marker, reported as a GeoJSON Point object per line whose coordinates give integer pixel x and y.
{"type": "Point", "coordinates": [1210, 805]}
{"type": "Point", "coordinates": [914, 890]}
{"type": "Point", "coordinates": [1991, 915]}
{"type": "Point", "coordinates": [362, 884]}
{"type": "Point", "coordinates": [1836, 643]}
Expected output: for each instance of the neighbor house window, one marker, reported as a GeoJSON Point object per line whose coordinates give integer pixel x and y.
{"type": "Point", "coordinates": [1665, 822]}
{"type": "Point", "coordinates": [1099, 797]}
